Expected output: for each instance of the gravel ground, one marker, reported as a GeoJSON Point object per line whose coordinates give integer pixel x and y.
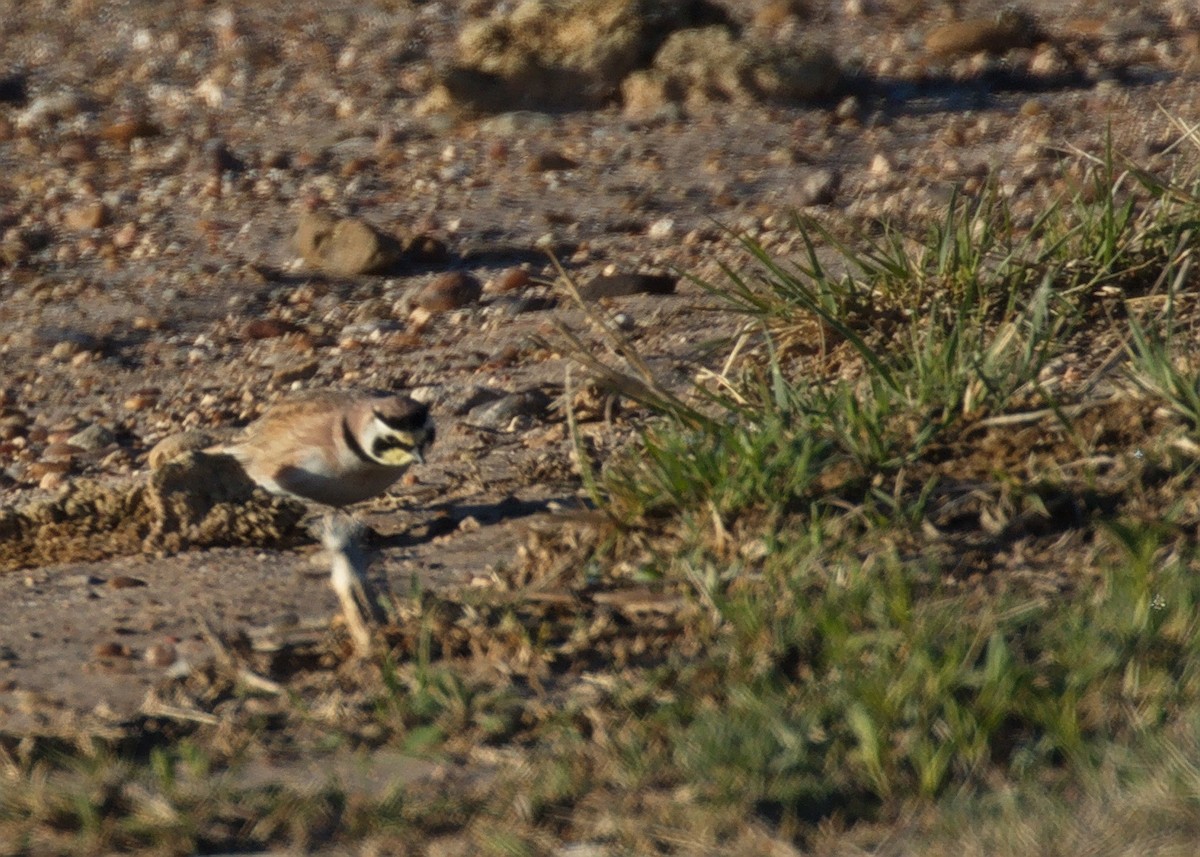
{"type": "Point", "coordinates": [154, 170]}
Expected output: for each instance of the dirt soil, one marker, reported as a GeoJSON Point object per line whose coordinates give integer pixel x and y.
{"type": "Point", "coordinates": [153, 170]}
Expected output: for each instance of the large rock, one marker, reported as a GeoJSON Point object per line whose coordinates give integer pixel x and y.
{"type": "Point", "coordinates": [704, 66]}
{"type": "Point", "coordinates": [562, 54]}
{"type": "Point", "coordinates": [347, 246]}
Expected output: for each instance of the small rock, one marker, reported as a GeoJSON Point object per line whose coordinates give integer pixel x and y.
{"type": "Point", "coordinates": [77, 151]}
{"type": "Point", "coordinates": [175, 445]}
{"type": "Point", "coordinates": [624, 321]}
{"type": "Point", "coordinates": [449, 291]}
{"type": "Point", "coordinates": [125, 237]}
{"type": "Point", "coordinates": [51, 481]}
{"type": "Point", "coordinates": [426, 249]}
{"type": "Point", "coordinates": [618, 285]}
{"type": "Point", "coordinates": [122, 581]}
{"type": "Point", "coordinates": [661, 229]}
{"type": "Point", "coordinates": [464, 400]}
{"type": "Point", "coordinates": [93, 438]}
{"type": "Point", "coordinates": [140, 400]}
{"type": "Point", "coordinates": [53, 107]}
{"type": "Point", "coordinates": [549, 161]}
{"type": "Point", "coordinates": [1011, 29]}
{"type": "Point", "coordinates": [881, 165]}
{"type": "Point", "coordinates": [90, 215]}
{"type": "Point", "coordinates": [347, 246]}
{"type": "Point", "coordinates": [514, 408]}
{"type": "Point", "coordinates": [849, 109]}
{"type": "Point", "coordinates": [777, 13]}
{"type": "Point", "coordinates": [110, 650]}
{"type": "Point", "coordinates": [126, 131]}
{"type": "Point", "coordinates": [286, 375]}
{"type": "Point", "coordinates": [647, 95]}
{"type": "Point", "coordinates": [64, 350]}
{"type": "Point", "coordinates": [61, 452]}
{"type": "Point", "coordinates": [39, 471]}
{"type": "Point", "coordinates": [820, 187]}
{"type": "Point", "coordinates": [510, 280]}
{"type": "Point", "coordinates": [267, 328]}
{"type": "Point", "coordinates": [517, 122]}
{"type": "Point", "coordinates": [161, 655]}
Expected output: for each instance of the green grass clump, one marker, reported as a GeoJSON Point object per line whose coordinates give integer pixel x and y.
{"type": "Point", "coordinates": [859, 533]}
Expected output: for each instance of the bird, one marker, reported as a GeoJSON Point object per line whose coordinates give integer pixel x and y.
{"type": "Point", "coordinates": [334, 448]}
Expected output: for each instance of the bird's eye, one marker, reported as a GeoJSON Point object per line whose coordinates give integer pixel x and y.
{"type": "Point", "coordinates": [387, 442]}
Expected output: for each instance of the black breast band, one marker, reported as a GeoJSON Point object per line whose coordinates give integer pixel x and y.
{"type": "Point", "coordinates": [353, 444]}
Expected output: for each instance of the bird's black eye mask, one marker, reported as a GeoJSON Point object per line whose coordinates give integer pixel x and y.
{"type": "Point", "coordinates": [410, 422]}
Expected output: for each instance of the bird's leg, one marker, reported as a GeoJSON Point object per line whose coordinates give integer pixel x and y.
{"type": "Point", "coordinates": [348, 575]}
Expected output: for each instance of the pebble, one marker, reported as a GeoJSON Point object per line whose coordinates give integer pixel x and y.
{"type": "Point", "coordinates": [90, 215]}
{"type": "Point", "coordinates": [661, 229]}
{"type": "Point", "coordinates": [122, 581]}
{"type": "Point", "coordinates": [65, 350]}
{"type": "Point", "coordinates": [53, 107]}
{"type": "Point", "coordinates": [624, 321]}
{"type": "Point", "coordinates": [449, 291]}
{"type": "Point", "coordinates": [517, 122]}
{"type": "Point", "coordinates": [618, 284]}
{"type": "Point", "coordinates": [994, 35]}
{"type": "Point", "coordinates": [110, 650]}
{"type": "Point", "coordinates": [161, 655]}
{"type": "Point", "coordinates": [461, 400]}
{"type": "Point", "coordinates": [510, 280]}
{"type": "Point", "coordinates": [140, 400]}
{"type": "Point", "coordinates": [286, 375]}
{"type": "Point", "coordinates": [61, 451]}
{"type": "Point", "coordinates": [503, 414]}
{"type": "Point", "coordinates": [267, 328]}
{"type": "Point", "coordinates": [93, 438]}
{"type": "Point", "coordinates": [549, 161]}
{"type": "Point", "coordinates": [175, 445]}
{"type": "Point", "coordinates": [51, 481]}
{"type": "Point", "coordinates": [820, 187]}
{"type": "Point", "coordinates": [124, 132]}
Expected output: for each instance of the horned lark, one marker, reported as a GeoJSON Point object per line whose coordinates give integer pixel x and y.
{"type": "Point", "coordinates": [334, 448]}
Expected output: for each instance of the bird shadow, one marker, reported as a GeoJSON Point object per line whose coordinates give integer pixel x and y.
{"type": "Point", "coordinates": [449, 517]}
